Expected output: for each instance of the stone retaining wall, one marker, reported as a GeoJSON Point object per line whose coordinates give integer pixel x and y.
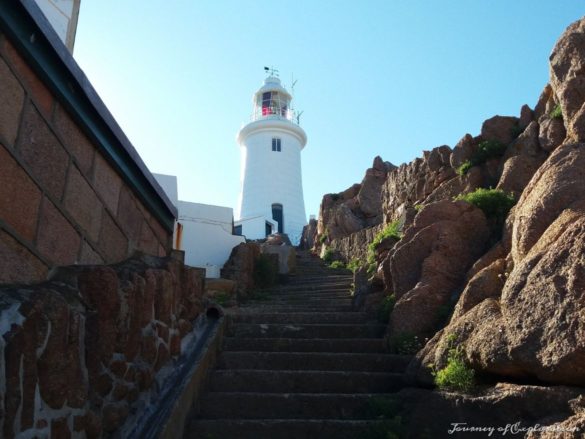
{"type": "Point", "coordinates": [78, 353]}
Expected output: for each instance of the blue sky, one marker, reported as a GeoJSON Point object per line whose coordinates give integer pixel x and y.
{"type": "Point", "coordinates": [389, 78]}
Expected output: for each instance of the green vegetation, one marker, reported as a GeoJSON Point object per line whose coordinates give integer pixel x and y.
{"type": "Point", "coordinates": [394, 415]}
{"type": "Point", "coordinates": [335, 197]}
{"type": "Point", "coordinates": [354, 265]}
{"type": "Point", "coordinates": [456, 376]}
{"type": "Point", "coordinates": [557, 112]}
{"type": "Point", "coordinates": [265, 271]}
{"type": "Point", "coordinates": [337, 265]}
{"type": "Point", "coordinates": [392, 230]}
{"type": "Point", "coordinates": [464, 168]}
{"type": "Point", "coordinates": [405, 343]}
{"type": "Point", "coordinates": [495, 203]}
{"type": "Point", "coordinates": [386, 308]}
{"type": "Point", "coordinates": [221, 298]}
{"type": "Point", "coordinates": [419, 207]}
{"type": "Point", "coordinates": [324, 237]}
{"type": "Point", "coordinates": [327, 256]}
{"type": "Point", "coordinates": [486, 150]}
{"type": "Point", "coordinates": [386, 409]}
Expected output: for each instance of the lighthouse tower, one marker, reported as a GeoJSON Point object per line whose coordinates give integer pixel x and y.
{"type": "Point", "coordinates": [271, 198]}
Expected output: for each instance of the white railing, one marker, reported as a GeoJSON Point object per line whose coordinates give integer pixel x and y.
{"type": "Point", "coordinates": [274, 112]}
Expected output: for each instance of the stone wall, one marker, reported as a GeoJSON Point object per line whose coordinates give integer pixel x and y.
{"type": "Point", "coordinates": [61, 201]}
{"type": "Point", "coordinates": [81, 352]}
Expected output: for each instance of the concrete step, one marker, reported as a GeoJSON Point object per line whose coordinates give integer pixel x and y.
{"type": "Point", "coordinates": [318, 281]}
{"type": "Point", "coordinates": [377, 362]}
{"type": "Point", "coordinates": [282, 429]}
{"type": "Point", "coordinates": [286, 308]}
{"type": "Point", "coordinates": [319, 277]}
{"type": "Point", "coordinates": [306, 302]}
{"type": "Point", "coordinates": [305, 345]}
{"type": "Point", "coordinates": [329, 294]}
{"type": "Point", "coordinates": [344, 299]}
{"type": "Point", "coordinates": [309, 291]}
{"type": "Point", "coordinates": [302, 317]}
{"type": "Point", "coordinates": [303, 381]}
{"type": "Point", "coordinates": [331, 330]}
{"type": "Point", "coordinates": [242, 405]}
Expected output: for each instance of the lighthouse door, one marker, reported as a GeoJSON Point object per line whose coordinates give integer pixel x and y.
{"type": "Point", "coordinates": [278, 216]}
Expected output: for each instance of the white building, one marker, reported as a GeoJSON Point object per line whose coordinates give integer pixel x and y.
{"type": "Point", "coordinates": [63, 15]}
{"type": "Point", "coordinates": [271, 198]}
{"type": "Point", "coordinates": [203, 231]}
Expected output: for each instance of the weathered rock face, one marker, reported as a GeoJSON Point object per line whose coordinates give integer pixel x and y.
{"type": "Point", "coordinates": [240, 267]}
{"type": "Point", "coordinates": [534, 327]}
{"type": "Point", "coordinates": [567, 78]}
{"type": "Point", "coordinates": [517, 308]}
{"type": "Point", "coordinates": [552, 133]}
{"type": "Point", "coordinates": [354, 246]}
{"type": "Point", "coordinates": [287, 257]}
{"type": "Point", "coordinates": [500, 128]}
{"type": "Point", "coordinates": [554, 188]}
{"type": "Point", "coordinates": [430, 262]}
{"type": "Point", "coordinates": [356, 208]}
{"type": "Point", "coordinates": [77, 351]}
{"type": "Point", "coordinates": [521, 160]}
{"type": "Point", "coordinates": [412, 183]}
{"type": "Point", "coordinates": [309, 236]}
{"type": "Point", "coordinates": [570, 428]}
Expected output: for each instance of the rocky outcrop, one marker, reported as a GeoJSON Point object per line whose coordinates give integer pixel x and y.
{"type": "Point", "coordinates": [412, 183]}
{"type": "Point", "coordinates": [240, 267]}
{"type": "Point", "coordinates": [354, 246]}
{"type": "Point", "coordinates": [309, 235]}
{"type": "Point", "coordinates": [567, 78]}
{"type": "Point", "coordinates": [500, 128]}
{"type": "Point", "coordinates": [431, 261]}
{"type": "Point", "coordinates": [521, 160]}
{"type": "Point", "coordinates": [533, 327]}
{"type": "Point", "coordinates": [354, 209]}
{"type": "Point", "coordinates": [286, 256]}
{"type": "Point", "coordinates": [511, 297]}
{"type": "Point", "coordinates": [79, 351]}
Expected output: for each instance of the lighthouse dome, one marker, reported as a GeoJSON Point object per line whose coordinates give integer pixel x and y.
{"type": "Point", "coordinates": [272, 84]}
{"type": "Point", "coordinates": [272, 100]}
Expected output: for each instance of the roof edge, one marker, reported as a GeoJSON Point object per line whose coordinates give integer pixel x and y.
{"type": "Point", "coordinates": [28, 29]}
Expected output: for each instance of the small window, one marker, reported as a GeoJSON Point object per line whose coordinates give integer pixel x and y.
{"type": "Point", "coordinates": [238, 230]}
{"type": "Point", "coordinates": [276, 145]}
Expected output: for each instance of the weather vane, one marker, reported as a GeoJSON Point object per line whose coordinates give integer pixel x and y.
{"type": "Point", "coordinates": [271, 71]}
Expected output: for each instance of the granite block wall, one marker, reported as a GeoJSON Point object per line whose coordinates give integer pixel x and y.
{"type": "Point", "coordinates": [61, 201]}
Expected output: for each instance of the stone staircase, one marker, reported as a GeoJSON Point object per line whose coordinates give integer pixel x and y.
{"type": "Point", "coordinates": [302, 364]}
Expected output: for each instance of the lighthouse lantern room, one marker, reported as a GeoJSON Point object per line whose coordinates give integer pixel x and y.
{"type": "Point", "coordinates": [271, 197]}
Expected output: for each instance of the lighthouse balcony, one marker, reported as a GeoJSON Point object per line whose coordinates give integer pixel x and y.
{"type": "Point", "coordinates": [263, 113]}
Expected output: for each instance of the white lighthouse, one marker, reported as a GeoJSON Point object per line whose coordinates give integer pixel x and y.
{"type": "Point", "coordinates": [271, 198]}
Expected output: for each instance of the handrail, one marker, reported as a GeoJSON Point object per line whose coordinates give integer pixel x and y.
{"type": "Point", "coordinates": [275, 112]}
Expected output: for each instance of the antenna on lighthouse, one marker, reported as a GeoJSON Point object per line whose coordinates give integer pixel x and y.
{"type": "Point", "coordinates": [293, 82]}
{"type": "Point", "coordinates": [299, 114]}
